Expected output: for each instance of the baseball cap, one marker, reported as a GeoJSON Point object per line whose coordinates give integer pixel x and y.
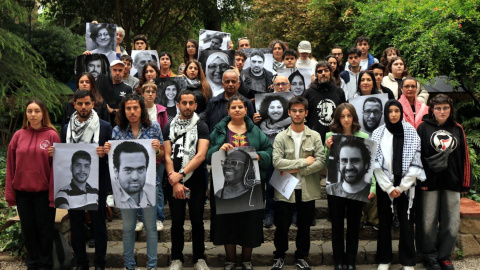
{"type": "Point", "coordinates": [304, 47]}
{"type": "Point", "coordinates": [116, 62]}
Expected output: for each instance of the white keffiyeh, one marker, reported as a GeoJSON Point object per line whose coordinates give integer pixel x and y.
{"type": "Point", "coordinates": [83, 132]}
{"type": "Point", "coordinates": [187, 130]}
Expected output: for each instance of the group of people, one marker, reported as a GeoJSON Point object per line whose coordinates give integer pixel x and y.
{"type": "Point", "coordinates": [421, 163]}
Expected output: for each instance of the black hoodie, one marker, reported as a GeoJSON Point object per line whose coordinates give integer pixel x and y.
{"type": "Point", "coordinates": [323, 99]}
{"type": "Point", "coordinates": [434, 138]}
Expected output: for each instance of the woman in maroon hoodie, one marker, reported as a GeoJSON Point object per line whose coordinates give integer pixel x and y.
{"type": "Point", "coordinates": [29, 183]}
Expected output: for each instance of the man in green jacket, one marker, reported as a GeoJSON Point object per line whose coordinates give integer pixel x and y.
{"type": "Point", "coordinates": [297, 150]}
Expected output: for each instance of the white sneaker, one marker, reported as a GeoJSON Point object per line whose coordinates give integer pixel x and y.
{"type": "Point", "coordinates": [383, 266]}
{"type": "Point", "coordinates": [139, 226]}
{"type": "Point", "coordinates": [176, 265]}
{"type": "Point", "coordinates": [110, 201]}
{"type": "Point", "coordinates": [159, 226]}
{"type": "Point", "coordinates": [201, 265]}
{"type": "Point", "coordinates": [407, 268]}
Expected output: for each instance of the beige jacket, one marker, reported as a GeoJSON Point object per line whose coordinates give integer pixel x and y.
{"type": "Point", "coordinates": [284, 160]}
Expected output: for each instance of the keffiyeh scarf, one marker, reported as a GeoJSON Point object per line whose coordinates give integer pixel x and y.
{"type": "Point", "coordinates": [83, 132]}
{"type": "Point", "coordinates": [187, 147]}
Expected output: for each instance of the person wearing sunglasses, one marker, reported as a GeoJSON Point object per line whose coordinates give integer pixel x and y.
{"type": "Point", "coordinates": [323, 98]}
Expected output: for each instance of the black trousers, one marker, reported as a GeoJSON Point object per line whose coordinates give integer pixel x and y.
{"type": "Point", "coordinates": [99, 228]}
{"type": "Point", "coordinates": [406, 248]}
{"type": "Point", "coordinates": [338, 207]}
{"type": "Point", "coordinates": [37, 220]}
{"type": "Point", "coordinates": [283, 219]}
{"type": "Point", "coordinates": [196, 205]}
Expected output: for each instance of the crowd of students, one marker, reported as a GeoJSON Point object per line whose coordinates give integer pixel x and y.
{"type": "Point", "coordinates": [421, 164]}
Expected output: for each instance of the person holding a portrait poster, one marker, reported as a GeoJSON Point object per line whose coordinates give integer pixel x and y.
{"type": "Point", "coordinates": [244, 228]}
{"type": "Point", "coordinates": [133, 124]}
{"type": "Point", "coordinates": [305, 163]}
{"type": "Point", "coordinates": [186, 146]}
{"type": "Point", "coordinates": [397, 168]}
{"type": "Point", "coordinates": [345, 121]}
{"type": "Point", "coordinates": [86, 127]}
{"type": "Point", "coordinates": [29, 183]}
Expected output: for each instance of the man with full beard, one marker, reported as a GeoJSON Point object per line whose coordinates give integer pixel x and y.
{"type": "Point", "coordinates": [256, 78]}
{"type": "Point", "coordinates": [372, 114]}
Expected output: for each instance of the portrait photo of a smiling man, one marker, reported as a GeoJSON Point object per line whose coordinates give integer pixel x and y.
{"type": "Point", "coordinates": [78, 194]}
{"type": "Point", "coordinates": [352, 167]}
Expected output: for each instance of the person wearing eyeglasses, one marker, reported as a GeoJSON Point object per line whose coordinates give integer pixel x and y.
{"type": "Point", "coordinates": [297, 150]}
{"type": "Point", "coordinates": [441, 134]}
{"type": "Point", "coordinates": [323, 98]}
{"type": "Point", "coordinates": [103, 35]}
{"type": "Point", "coordinates": [130, 164]}
{"type": "Point", "coordinates": [338, 53]}
{"type": "Point", "coordinates": [413, 108]}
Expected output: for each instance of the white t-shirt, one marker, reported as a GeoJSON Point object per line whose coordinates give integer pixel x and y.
{"type": "Point", "coordinates": [152, 113]}
{"type": "Point", "coordinates": [297, 140]}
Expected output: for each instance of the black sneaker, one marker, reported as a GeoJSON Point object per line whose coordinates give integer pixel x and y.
{"type": "Point", "coordinates": [446, 265]}
{"type": "Point", "coordinates": [268, 221]}
{"type": "Point", "coordinates": [294, 219]}
{"type": "Point", "coordinates": [91, 243]}
{"type": "Point", "coordinates": [301, 264]}
{"type": "Point", "coordinates": [278, 264]}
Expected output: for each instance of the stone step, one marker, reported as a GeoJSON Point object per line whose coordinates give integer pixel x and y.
{"type": "Point", "coordinates": [320, 254]}
{"type": "Point", "coordinates": [321, 211]}
{"type": "Point", "coordinates": [321, 231]}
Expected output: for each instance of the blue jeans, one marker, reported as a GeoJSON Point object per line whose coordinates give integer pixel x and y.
{"type": "Point", "coordinates": [129, 217]}
{"type": "Point", "coordinates": [160, 197]}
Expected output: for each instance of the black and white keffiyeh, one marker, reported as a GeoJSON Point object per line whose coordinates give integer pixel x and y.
{"type": "Point", "coordinates": [411, 149]}
{"type": "Point", "coordinates": [183, 134]}
{"type": "Point", "coordinates": [192, 84]}
{"type": "Point", "coordinates": [83, 132]}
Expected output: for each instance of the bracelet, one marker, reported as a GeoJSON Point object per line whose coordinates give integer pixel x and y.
{"type": "Point", "coordinates": [159, 152]}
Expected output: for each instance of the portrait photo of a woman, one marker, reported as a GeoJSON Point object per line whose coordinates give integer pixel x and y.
{"type": "Point", "coordinates": [103, 36]}
{"type": "Point", "coordinates": [274, 113]}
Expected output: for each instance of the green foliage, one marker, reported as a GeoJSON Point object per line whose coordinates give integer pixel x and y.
{"type": "Point", "coordinates": [23, 72]}
{"type": "Point", "coordinates": [10, 239]}
{"type": "Point", "coordinates": [67, 46]}
{"type": "Point", "coordinates": [435, 37]}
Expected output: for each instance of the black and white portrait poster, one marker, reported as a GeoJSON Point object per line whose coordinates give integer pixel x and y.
{"type": "Point", "coordinates": [350, 167]}
{"type": "Point", "coordinates": [75, 176]}
{"type": "Point", "coordinates": [167, 94]}
{"type": "Point", "coordinates": [133, 173]}
{"type": "Point", "coordinates": [369, 110]}
{"type": "Point", "coordinates": [96, 64]}
{"type": "Point", "coordinates": [214, 64]}
{"type": "Point", "coordinates": [102, 38]}
{"type": "Point", "coordinates": [300, 79]}
{"type": "Point", "coordinates": [212, 40]}
{"type": "Point", "coordinates": [273, 108]}
{"type": "Point", "coordinates": [140, 58]}
{"type": "Point", "coordinates": [266, 62]}
{"type": "Point", "coordinates": [237, 185]}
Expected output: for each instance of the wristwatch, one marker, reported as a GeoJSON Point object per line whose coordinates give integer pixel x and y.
{"type": "Point", "coordinates": [183, 174]}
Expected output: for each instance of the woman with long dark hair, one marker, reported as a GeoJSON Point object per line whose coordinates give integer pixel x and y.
{"type": "Point", "coordinates": [190, 51]}
{"type": "Point", "coordinates": [441, 135]}
{"type": "Point", "coordinates": [345, 121]}
{"type": "Point", "coordinates": [397, 168]}
{"type": "Point", "coordinates": [197, 83]}
{"type": "Point", "coordinates": [278, 47]}
{"type": "Point", "coordinates": [333, 61]}
{"type": "Point", "coordinates": [150, 72]}
{"type": "Point", "coordinates": [29, 185]}
{"type": "Point", "coordinates": [169, 98]}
